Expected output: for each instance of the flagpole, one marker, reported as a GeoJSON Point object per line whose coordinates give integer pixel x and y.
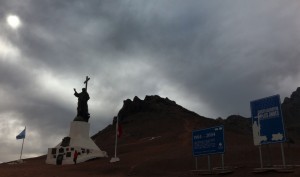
{"type": "Point", "coordinates": [116, 143]}
{"type": "Point", "coordinates": [22, 146]}
{"type": "Point", "coordinates": [116, 159]}
{"type": "Point", "coordinates": [22, 149]}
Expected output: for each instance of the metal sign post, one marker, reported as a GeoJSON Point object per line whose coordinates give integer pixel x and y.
{"type": "Point", "coordinates": [208, 142]}
{"type": "Point", "coordinates": [222, 161]}
{"type": "Point", "coordinates": [267, 125]}
{"type": "Point", "coordinates": [208, 163]}
{"type": "Point", "coordinates": [282, 154]}
{"type": "Point", "coordinates": [260, 157]}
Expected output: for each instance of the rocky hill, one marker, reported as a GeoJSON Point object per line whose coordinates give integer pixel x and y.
{"type": "Point", "coordinates": [159, 131]}
{"type": "Point", "coordinates": [291, 113]}
{"type": "Point", "coordinates": [162, 112]}
{"type": "Point", "coordinates": [154, 116]}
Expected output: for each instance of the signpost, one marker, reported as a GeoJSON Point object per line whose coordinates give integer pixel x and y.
{"type": "Point", "coordinates": [267, 123]}
{"type": "Point", "coordinates": [207, 142]}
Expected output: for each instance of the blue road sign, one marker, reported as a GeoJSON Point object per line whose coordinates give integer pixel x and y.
{"type": "Point", "coordinates": [267, 121]}
{"type": "Point", "coordinates": [208, 141]}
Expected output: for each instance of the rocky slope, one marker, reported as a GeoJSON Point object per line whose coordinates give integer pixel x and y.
{"type": "Point", "coordinates": [291, 114]}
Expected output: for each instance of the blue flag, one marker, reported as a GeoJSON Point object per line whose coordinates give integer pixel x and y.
{"type": "Point", "coordinates": [22, 134]}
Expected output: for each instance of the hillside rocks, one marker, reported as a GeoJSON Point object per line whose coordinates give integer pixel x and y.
{"type": "Point", "coordinates": [291, 109]}
{"type": "Point", "coordinates": [159, 115]}
{"type": "Point", "coordinates": [238, 124]}
{"type": "Point", "coordinates": [291, 114]}
{"type": "Point", "coordinates": [151, 104]}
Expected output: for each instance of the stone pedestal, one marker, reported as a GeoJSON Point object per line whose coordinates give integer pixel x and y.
{"type": "Point", "coordinates": [78, 140]}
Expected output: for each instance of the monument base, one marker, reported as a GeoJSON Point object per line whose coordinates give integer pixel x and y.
{"type": "Point", "coordinates": [114, 159]}
{"type": "Point", "coordinates": [77, 141]}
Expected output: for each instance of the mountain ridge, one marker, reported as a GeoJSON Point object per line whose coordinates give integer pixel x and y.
{"type": "Point", "coordinates": [155, 108]}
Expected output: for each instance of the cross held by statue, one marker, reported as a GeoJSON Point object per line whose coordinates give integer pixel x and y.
{"type": "Point", "coordinates": [86, 81]}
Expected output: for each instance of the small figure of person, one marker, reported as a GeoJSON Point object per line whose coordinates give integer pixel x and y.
{"type": "Point", "coordinates": [82, 108]}
{"type": "Point", "coordinates": [75, 157]}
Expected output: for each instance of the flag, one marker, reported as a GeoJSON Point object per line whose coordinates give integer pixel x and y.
{"type": "Point", "coordinates": [22, 134]}
{"type": "Point", "coordinates": [119, 128]}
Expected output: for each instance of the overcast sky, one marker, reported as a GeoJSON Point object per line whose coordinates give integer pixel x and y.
{"type": "Point", "coordinates": [211, 57]}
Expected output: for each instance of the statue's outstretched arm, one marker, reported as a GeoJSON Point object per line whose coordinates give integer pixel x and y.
{"type": "Point", "coordinates": [76, 94]}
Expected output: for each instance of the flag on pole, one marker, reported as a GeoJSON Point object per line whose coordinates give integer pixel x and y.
{"type": "Point", "coordinates": [21, 135]}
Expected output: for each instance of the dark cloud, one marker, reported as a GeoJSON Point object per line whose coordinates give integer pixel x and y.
{"type": "Point", "coordinates": [211, 57]}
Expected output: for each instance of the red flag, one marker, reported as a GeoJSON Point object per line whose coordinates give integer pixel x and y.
{"type": "Point", "coordinates": [119, 133]}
